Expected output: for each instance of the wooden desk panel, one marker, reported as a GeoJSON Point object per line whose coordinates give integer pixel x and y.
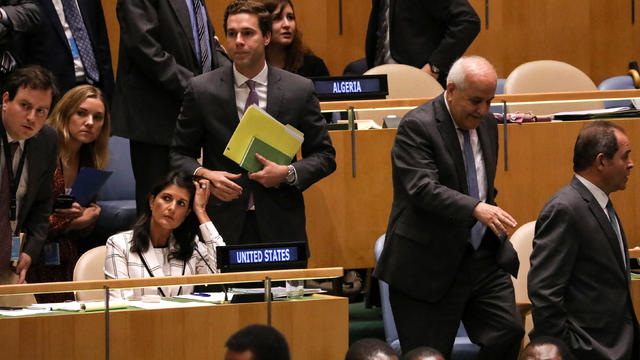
{"type": "Point", "coordinates": [315, 329]}
{"type": "Point", "coordinates": [346, 214]}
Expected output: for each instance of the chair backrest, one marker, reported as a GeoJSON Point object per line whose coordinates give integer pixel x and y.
{"type": "Point", "coordinates": [623, 82]}
{"type": "Point", "coordinates": [390, 331]}
{"type": "Point", "coordinates": [90, 266]}
{"type": "Point", "coordinates": [545, 76]}
{"type": "Point", "coordinates": [121, 185]}
{"type": "Point", "coordinates": [522, 241]}
{"type": "Point", "coordinates": [407, 81]}
{"type": "Point", "coordinates": [404, 81]}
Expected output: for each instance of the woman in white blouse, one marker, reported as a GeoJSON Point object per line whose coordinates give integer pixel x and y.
{"type": "Point", "coordinates": [166, 241]}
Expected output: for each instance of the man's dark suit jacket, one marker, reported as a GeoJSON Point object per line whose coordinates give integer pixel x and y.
{"type": "Point", "coordinates": [208, 119]}
{"type": "Point", "coordinates": [35, 206]}
{"type": "Point", "coordinates": [431, 217]}
{"type": "Point", "coordinates": [578, 283]}
{"type": "Point", "coordinates": [157, 59]}
{"type": "Point", "coordinates": [24, 17]}
{"type": "Point", "coordinates": [432, 31]}
{"type": "Point", "coordinates": [48, 45]}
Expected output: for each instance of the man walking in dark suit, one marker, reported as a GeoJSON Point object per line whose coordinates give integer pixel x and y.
{"type": "Point", "coordinates": [446, 258]}
{"type": "Point", "coordinates": [71, 41]}
{"type": "Point", "coordinates": [31, 148]}
{"type": "Point", "coordinates": [163, 44]}
{"type": "Point", "coordinates": [265, 206]}
{"type": "Point", "coordinates": [429, 35]}
{"type": "Point", "coordinates": [579, 282]}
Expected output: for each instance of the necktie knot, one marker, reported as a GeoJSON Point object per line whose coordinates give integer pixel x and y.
{"type": "Point", "coordinates": [13, 147]}
{"type": "Point", "coordinates": [251, 84]}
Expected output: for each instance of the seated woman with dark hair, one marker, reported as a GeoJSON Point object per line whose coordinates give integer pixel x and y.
{"type": "Point", "coordinates": [165, 240]}
{"type": "Point", "coordinates": [286, 49]}
{"type": "Point", "coordinates": [81, 119]}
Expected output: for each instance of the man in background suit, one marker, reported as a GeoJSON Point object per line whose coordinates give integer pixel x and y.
{"type": "Point", "coordinates": [446, 257]}
{"type": "Point", "coordinates": [429, 35]}
{"type": "Point", "coordinates": [163, 44]}
{"type": "Point", "coordinates": [25, 106]}
{"type": "Point", "coordinates": [17, 18]}
{"type": "Point", "coordinates": [71, 42]}
{"type": "Point", "coordinates": [579, 282]}
{"type": "Point", "coordinates": [265, 206]}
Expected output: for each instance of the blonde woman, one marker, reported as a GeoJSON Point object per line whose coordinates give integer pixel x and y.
{"type": "Point", "coordinates": [81, 119]}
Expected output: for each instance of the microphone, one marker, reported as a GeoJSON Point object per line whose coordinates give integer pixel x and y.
{"type": "Point", "coordinates": [224, 288]}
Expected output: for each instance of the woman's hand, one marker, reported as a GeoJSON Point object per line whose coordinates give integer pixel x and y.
{"type": "Point", "coordinates": [73, 212]}
{"type": "Point", "coordinates": [201, 199]}
{"type": "Point", "coordinates": [88, 216]}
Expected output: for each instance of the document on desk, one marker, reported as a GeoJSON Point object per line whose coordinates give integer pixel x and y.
{"type": "Point", "coordinates": [611, 113]}
{"type": "Point", "coordinates": [212, 297]}
{"type": "Point", "coordinates": [165, 304]}
{"type": "Point", "coordinates": [23, 312]}
{"type": "Point", "coordinates": [89, 305]}
{"type": "Point", "coordinates": [283, 140]}
{"type": "Point", "coordinates": [276, 291]}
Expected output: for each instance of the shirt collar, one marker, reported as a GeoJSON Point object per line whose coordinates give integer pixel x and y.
{"type": "Point", "coordinates": [601, 197]}
{"type": "Point", "coordinates": [261, 78]}
{"type": "Point", "coordinates": [20, 142]}
{"type": "Point", "coordinates": [446, 104]}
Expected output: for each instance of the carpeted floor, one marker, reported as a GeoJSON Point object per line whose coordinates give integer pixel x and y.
{"type": "Point", "coordinates": [364, 323]}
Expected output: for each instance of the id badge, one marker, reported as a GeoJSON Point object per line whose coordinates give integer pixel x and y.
{"type": "Point", "coordinates": [74, 48]}
{"type": "Point", "coordinates": [15, 248]}
{"type": "Point", "coordinates": [52, 254]}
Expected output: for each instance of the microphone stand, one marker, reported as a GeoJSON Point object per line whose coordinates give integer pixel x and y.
{"type": "Point", "coordinates": [224, 288]}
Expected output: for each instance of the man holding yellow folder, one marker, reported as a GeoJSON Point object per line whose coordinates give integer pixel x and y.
{"type": "Point", "coordinates": [264, 206]}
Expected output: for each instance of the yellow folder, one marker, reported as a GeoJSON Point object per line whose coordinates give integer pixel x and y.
{"type": "Point", "coordinates": [258, 123]}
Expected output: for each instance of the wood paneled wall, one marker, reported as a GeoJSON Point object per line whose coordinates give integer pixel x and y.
{"type": "Point", "coordinates": [594, 35]}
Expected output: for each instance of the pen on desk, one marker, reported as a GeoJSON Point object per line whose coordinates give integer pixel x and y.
{"type": "Point", "coordinates": [200, 294]}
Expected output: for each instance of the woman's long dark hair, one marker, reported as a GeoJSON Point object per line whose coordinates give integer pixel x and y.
{"type": "Point", "coordinates": [294, 58]}
{"type": "Point", "coordinates": [184, 234]}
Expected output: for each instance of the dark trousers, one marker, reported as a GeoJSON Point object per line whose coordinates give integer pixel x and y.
{"type": "Point", "coordinates": [481, 296]}
{"type": "Point", "coordinates": [150, 163]}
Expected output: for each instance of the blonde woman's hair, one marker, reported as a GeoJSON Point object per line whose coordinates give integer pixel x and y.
{"type": "Point", "coordinates": [59, 120]}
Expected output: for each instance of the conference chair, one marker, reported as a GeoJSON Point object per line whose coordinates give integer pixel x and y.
{"type": "Point", "coordinates": [546, 76]}
{"type": "Point", "coordinates": [10, 277]}
{"type": "Point", "coordinates": [499, 91]}
{"type": "Point", "coordinates": [463, 348]}
{"type": "Point", "coordinates": [90, 266]}
{"type": "Point", "coordinates": [117, 196]}
{"type": "Point", "coordinates": [522, 241]}
{"type": "Point", "coordinates": [404, 81]}
{"type": "Point", "coordinates": [623, 82]}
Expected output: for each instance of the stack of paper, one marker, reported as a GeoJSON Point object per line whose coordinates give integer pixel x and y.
{"type": "Point", "coordinates": [89, 305]}
{"type": "Point", "coordinates": [258, 132]}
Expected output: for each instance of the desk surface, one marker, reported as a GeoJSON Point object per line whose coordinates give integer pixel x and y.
{"type": "Point", "coordinates": [316, 328]}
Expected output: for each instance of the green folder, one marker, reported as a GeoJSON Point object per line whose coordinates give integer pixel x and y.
{"type": "Point", "coordinates": [258, 123]}
{"type": "Point", "coordinates": [251, 164]}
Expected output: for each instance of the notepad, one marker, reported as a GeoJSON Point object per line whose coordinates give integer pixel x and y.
{"type": "Point", "coordinates": [88, 183]}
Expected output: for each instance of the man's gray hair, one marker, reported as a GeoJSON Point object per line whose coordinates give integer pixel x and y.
{"type": "Point", "coordinates": [465, 65]}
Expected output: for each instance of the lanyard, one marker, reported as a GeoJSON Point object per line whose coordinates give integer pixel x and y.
{"type": "Point", "coordinates": [14, 179]}
{"type": "Point", "coordinates": [184, 266]}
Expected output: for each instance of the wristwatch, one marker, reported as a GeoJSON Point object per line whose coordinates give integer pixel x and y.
{"type": "Point", "coordinates": [291, 175]}
{"type": "Point", "coordinates": [434, 69]}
